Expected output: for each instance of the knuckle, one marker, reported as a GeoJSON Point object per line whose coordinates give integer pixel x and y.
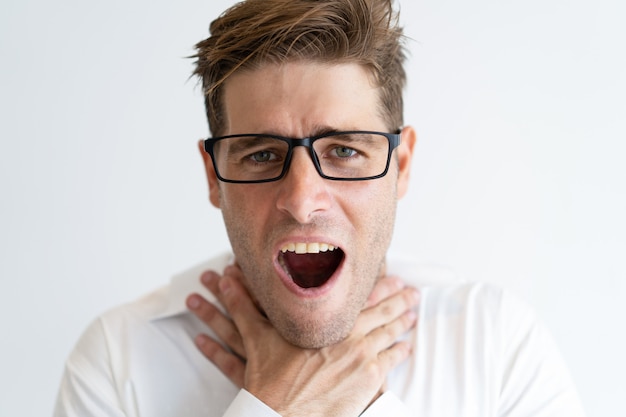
{"type": "Point", "coordinates": [373, 370]}
{"type": "Point", "coordinates": [391, 332]}
{"type": "Point", "coordinates": [386, 310]}
{"type": "Point", "coordinates": [232, 339]}
{"type": "Point", "coordinates": [208, 313]}
{"type": "Point", "coordinates": [399, 352]}
{"type": "Point", "coordinates": [362, 355]}
{"type": "Point", "coordinates": [232, 303]}
{"type": "Point", "coordinates": [407, 297]}
{"type": "Point", "coordinates": [209, 349]}
{"type": "Point", "coordinates": [230, 365]}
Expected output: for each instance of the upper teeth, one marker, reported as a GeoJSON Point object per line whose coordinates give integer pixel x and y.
{"type": "Point", "coordinates": [301, 248]}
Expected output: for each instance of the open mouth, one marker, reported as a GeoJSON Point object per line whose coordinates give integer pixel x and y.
{"type": "Point", "coordinates": [310, 265]}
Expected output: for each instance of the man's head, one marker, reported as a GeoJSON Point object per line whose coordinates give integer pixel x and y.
{"type": "Point", "coordinates": [311, 248]}
{"type": "Point", "coordinates": [257, 32]}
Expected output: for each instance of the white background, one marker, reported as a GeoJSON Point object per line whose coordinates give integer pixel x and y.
{"type": "Point", "coordinates": [518, 177]}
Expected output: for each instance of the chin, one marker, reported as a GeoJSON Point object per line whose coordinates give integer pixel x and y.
{"type": "Point", "coordinates": [315, 334]}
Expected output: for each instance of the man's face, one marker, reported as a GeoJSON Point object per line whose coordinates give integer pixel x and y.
{"type": "Point", "coordinates": [303, 210]}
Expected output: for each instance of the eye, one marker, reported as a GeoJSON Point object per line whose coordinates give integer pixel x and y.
{"type": "Point", "coordinates": [262, 156]}
{"type": "Point", "coordinates": [344, 152]}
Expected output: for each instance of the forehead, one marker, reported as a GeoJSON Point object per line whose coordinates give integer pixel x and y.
{"type": "Point", "coordinates": [297, 99]}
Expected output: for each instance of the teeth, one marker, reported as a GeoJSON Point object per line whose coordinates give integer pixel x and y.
{"type": "Point", "coordinates": [302, 248]}
{"type": "Point", "coordinates": [313, 248]}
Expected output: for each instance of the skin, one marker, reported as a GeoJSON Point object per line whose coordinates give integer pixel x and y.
{"type": "Point", "coordinates": [338, 380]}
{"type": "Point", "coordinates": [302, 99]}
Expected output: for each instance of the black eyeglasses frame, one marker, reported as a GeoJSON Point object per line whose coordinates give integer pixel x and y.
{"type": "Point", "coordinates": [394, 140]}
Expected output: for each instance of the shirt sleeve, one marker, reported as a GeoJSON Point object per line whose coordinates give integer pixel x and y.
{"type": "Point", "coordinates": [387, 405]}
{"type": "Point", "coordinates": [246, 404]}
{"type": "Point", "coordinates": [535, 379]}
{"type": "Point", "coordinates": [87, 387]}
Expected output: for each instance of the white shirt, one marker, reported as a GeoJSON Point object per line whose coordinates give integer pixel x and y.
{"type": "Point", "coordinates": [479, 352]}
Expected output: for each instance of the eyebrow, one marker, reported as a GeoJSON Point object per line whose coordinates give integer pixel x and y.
{"type": "Point", "coordinates": [316, 130]}
{"type": "Point", "coordinates": [358, 137]}
{"type": "Point", "coordinates": [322, 130]}
{"type": "Point", "coordinates": [242, 143]}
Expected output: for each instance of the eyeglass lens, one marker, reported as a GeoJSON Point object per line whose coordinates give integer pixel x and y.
{"type": "Point", "coordinates": [257, 158]}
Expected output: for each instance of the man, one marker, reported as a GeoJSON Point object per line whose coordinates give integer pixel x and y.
{"type": "Point", "coordinates": [308, 157]}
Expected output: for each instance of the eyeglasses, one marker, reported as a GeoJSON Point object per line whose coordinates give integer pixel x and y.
{"type": "Point", "coordinates": [341, 156]}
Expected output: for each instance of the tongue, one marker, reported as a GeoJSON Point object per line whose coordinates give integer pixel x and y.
{"type": "Point", "coordinates": [311, 269]}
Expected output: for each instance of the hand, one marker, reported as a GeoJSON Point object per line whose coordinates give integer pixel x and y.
{"type": "Point", "coordinates": [296, 381]}
{"type": "Point", "coordinates": [230, 361]}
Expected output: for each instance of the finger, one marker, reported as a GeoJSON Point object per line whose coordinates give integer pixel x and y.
{"type": "Point", "coordinates": [384, 288]}
{"type": "Point", "coordinates": [241, 308]}
{"type": "Point", "coordinates": [229, 364]}
{"type": "Point", "coordinates": [384, 337]}
{"type": "Point", "coordinates": [223, 327]}
{"type": "Point", "coordinates": [386, 311]}
{"type": "Point", "coordinates": [234, 271]}
{"type": "Point", "coordinates": [210, 280]}
{"type": "Point", "coordinates": [392, 357]}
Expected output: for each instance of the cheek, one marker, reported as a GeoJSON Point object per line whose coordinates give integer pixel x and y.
{"type": "Point", "coordinates": [246, 216]}
{"type": "Point", "coordinates": [239, 220]}
{"type": "Point", "coordinates": [242, 205]}
{"type": "Point", "coordinates": [372, 205]}
{"type": "Point", "coordinates": [382, 214]}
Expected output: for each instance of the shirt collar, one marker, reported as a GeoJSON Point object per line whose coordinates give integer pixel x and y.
{"type": "Point", "coordinates": [187, 282]}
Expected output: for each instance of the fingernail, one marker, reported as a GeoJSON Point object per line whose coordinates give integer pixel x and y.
{"type": "Point", "coordinates": [193, 302]}
{"type": "Point", "coordinates": [200, 340]}
{"type": "Point", "coordinates": [398, 283]}
{"type": "Point", "coordinates": [415, 294]}
{"type": "Point", "coordinates": [207, 277]}
{"type": "Point", "coordinates": [411, 316]}
{"type": "Point", "coordinates": [225, 285]}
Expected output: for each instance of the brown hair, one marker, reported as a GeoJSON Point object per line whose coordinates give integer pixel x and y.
{"type": "Point", "coordinates": [255, 32]}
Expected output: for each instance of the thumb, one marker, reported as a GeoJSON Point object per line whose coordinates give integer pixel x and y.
{"type": "Point", "coordinates": [240, 307]}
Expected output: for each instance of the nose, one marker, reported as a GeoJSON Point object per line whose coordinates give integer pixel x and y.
{"type": "Point", "coordinates": [303, 192]}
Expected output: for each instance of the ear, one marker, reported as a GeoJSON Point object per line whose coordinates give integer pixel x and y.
{"type": "Point", "coordinates": [405, 157]}
{"type": "Point", "coordinates": [214, 191]}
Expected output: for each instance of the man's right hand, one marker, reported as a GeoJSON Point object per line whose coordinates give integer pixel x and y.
{"type": "Point", "coordinates": [338, 380]}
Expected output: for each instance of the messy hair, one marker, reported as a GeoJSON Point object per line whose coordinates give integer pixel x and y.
{"type": "Point", "coordinates": [256, 32]}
